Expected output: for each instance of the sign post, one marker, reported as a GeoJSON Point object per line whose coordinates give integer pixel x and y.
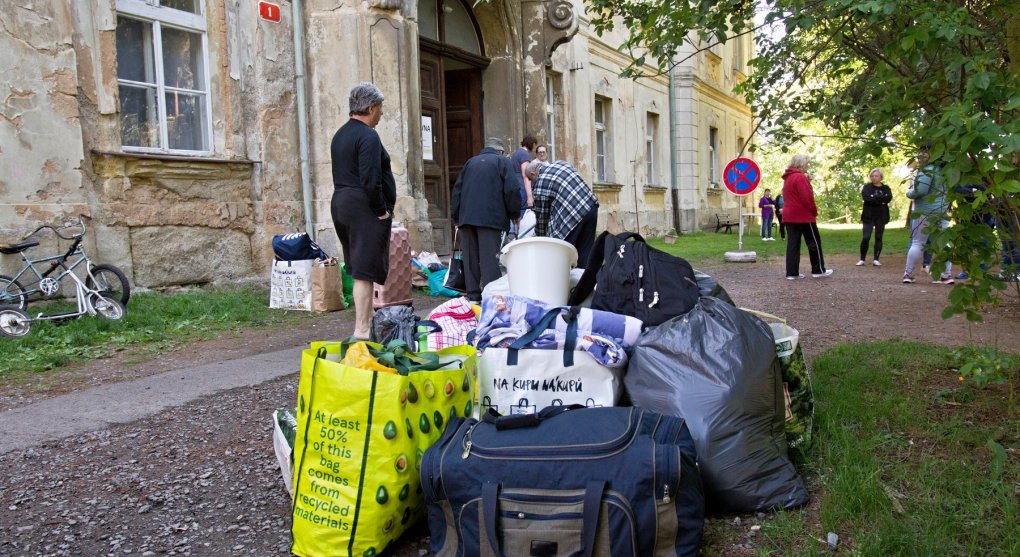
{"type": "Point", "coordinates": [741, 177]}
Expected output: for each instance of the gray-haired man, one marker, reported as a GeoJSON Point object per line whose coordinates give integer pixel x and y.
{"type": "Point", "coordinates": [486, 198]}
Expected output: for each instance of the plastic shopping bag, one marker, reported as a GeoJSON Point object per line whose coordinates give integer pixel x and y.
{"type": "Point", "coordinates": [360, 438]}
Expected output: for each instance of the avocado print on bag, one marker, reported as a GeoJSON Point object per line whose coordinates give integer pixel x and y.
{"type": "Point", "coordinates": [356, 487]}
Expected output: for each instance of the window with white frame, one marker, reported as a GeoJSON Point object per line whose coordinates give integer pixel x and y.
{"type": "Point", "coordinates": [162, 76]}
{"type": "Point", "coordinates": [550, 117]}
{"type": "Point", "coordinates": [713, 155]}
{"type": "Point", "coordinates": [602, 113]}
{"type": "Point", "coordinates": [738, 53]}
{"type": "Point", "coordinates": [651, 136]}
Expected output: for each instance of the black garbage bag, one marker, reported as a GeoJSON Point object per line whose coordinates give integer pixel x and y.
{"type": "Point", "coordinates": [716, 367]}
{"type": "Point", "coordinates": [708, 286]}
{"type": "Point", "coordinates": [400, 322]}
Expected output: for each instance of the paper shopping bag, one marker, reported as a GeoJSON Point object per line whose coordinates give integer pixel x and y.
{"type": "Point", "coordinates": [327, 286]}
{"type": "Point", "coordinates": [360, 438]}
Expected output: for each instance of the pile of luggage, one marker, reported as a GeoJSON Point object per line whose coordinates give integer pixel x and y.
{"type": "Point", "coordinates": [606, 425]}
{"type": "Point", "coordinates": [305, 278]}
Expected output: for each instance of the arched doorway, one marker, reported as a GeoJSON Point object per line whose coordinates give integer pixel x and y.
{"type": "Point", "coordinates": [452, 58]}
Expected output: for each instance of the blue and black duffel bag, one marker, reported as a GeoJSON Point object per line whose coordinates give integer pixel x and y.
{"type": "Point", "coordinates": [296, 246]}
{"type": "Point", "coordinates": [566, 481]}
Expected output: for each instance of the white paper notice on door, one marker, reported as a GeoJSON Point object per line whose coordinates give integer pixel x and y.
{"type": "Point", "coordinates": [426, 137]}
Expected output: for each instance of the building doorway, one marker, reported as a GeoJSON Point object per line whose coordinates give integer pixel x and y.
{"type": "Point", "coordinates": [451, 66]}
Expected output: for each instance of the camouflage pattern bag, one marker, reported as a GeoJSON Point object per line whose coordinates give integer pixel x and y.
{"type": "Point", "coordinates": [800, 400]}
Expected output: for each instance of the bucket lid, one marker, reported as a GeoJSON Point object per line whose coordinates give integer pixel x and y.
{"type": "Point", "coordinates": [543, 240]}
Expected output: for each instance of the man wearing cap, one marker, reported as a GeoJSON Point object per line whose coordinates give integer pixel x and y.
{"type": "Point", "coordinates": [485, 199]}
{"type": "Point", "coordinates": [565, 206]}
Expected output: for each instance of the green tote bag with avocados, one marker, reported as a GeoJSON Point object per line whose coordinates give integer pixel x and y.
{"type": "Point", "coordinates": [360, 438]}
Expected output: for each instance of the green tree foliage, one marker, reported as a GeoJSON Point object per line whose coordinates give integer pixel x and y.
{"type": "Point", "coordinates": [944, 72]}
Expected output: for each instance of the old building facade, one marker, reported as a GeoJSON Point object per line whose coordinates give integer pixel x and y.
{"type": "Point", "coordinates": [192, 131]}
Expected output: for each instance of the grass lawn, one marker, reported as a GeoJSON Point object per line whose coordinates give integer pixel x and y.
{"type": "Point", "coordinates": [700, 247]}
{"type": "Point", "coordinates": [909, 460]}
{"type": "Point", "coordinates": [154, 320]}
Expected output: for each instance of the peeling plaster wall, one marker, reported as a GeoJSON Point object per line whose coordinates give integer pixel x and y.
{"type": "Point", "coordinates": [40, 132]}
{"type": "Point", "coordinates": [351, 42]}
{"type": "Point", "coordinates": [704, 99]}
{"type": "Point", "coordinates": [589, 66]}
{"type": "Point", "coordinates": [163, 220]}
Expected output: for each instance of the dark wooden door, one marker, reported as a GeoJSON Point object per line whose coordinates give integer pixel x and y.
{"type": "Point", "coordinates": [463, 90]}
{"type": "Point", "coordinates": [436, 180]}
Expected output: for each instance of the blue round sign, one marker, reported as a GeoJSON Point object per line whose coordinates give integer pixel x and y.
{"type": "Point", "coordinates": [741, 176]}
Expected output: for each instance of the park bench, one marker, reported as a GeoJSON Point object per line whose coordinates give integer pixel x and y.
{"type": "Point", "coordinates": [724, 220]}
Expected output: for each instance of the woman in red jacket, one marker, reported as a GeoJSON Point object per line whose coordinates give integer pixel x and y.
{"type": "Point", "coordinates": [799, 214]}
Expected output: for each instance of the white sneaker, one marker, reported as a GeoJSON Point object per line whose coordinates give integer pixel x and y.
{"type": "Point", "coordinates": [875, 263]}
{"type": "Point", "coordinates": [798, 277]}
{"type": "Point", "coordinates": [860, 263]}
{"type": "Point", "coordinates": [824, 274]}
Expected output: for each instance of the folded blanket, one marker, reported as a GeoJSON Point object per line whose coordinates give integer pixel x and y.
{"type": "Point", "coordinates": [603, 335]}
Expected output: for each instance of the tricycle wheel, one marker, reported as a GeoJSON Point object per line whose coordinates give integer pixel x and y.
{"type": "Point", "coordinates": [14, 322]}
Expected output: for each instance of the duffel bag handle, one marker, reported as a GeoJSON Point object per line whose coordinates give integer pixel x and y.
{"type": "Point", "coordinates": [517, 421]}
{"type": "Point", "coordinates": [589, 521]}
{"type": "Point", "coordinates": [548, 322]}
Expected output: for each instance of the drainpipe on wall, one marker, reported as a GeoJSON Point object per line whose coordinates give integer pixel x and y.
{"type": "Point", "coordinates": [299, 83]}
{"type": "Point", "coordinates": [674, 194]}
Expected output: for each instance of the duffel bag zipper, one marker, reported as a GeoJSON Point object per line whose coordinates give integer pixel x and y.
{"type": "Point", "coordinates": [671, 485]}
{"type": "Point", "coordinates": [579, 452]}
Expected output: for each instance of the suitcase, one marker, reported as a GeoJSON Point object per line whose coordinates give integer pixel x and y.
{"type": "Point", "coordinates": [397, 288]}
{"type": "Point", "coordinates": [566, 481]}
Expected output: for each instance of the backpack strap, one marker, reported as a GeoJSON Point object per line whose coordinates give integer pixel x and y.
{"type": "Point", "coordinates": [586, 285]}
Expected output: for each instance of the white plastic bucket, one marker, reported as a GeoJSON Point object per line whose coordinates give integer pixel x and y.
{"type": "Point", "coordinates": [539, 268]}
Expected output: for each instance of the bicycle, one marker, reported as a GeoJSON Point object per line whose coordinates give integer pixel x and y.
{"type": "Point", "coordinates": [104, 290]}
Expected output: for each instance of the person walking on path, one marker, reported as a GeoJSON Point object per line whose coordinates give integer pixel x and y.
{"type": "Point", "coordinates": [486, 198]}
{"type": "Point", "coordinates": [874, 214]}
{"type": "Point", "coordinates": [928, 192]}
{"type": "Point", "coordinates": [565, 207]}
{"type": "Point", "coordinates": [799, 217]}
{"type": "Point", "coordinates": [364, 194]}
{"type": "Point", "coordinates": [766, 204]}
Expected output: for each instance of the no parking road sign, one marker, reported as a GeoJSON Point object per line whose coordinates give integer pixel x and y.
{"type": "Point", "coordinates": [741, 176]}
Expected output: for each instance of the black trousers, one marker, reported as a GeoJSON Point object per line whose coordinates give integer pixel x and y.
{"type": "Point", "coordinates": [583, 235]}
{"type": "Point", "coordinates": [879, 230]}
{"type": "Point", "coordinates": [782, 229]}
{"type": "Point", "coordinates": [809, 231]}
{"type": "Point", "coordinates": [480, 246]}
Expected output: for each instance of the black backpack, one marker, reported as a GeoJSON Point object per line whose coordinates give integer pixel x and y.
{"type": "Point", "coordinates": [636, 280]}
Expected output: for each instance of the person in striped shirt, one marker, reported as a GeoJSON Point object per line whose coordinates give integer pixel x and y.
{"type": "Point", "coordinates": [565, 207]}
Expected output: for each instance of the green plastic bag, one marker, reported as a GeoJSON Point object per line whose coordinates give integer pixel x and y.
{"type": "Point", "coordinates": [348, 285]}
{"type": "Point", "coordinates": [360, 438]}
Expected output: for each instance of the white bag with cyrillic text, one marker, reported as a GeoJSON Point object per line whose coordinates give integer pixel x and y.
{"type": "Point", "coordinates": [539, 378]}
